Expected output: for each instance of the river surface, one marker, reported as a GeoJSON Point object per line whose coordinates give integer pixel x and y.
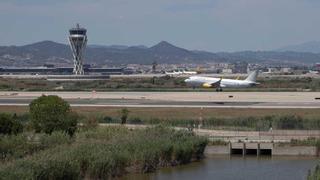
{"type": "Point", "coordinates": [236, 167]}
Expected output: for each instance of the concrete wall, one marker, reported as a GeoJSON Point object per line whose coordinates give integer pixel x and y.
{"type": "Point", "coordinates": [277, 150]}
{"type": "Point", "coordinates": [217, 150]}
{"type": "Point", "coordinates": [294, 150]}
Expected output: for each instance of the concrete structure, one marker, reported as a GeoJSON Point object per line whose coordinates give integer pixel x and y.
{"type": "Point", "coordinates": [286, 70]}
{"type": "Point", "coordinates": [252, 148]}
{"type": "Point", "coordinates": [217, 150]}
{"type": "Point", "coordinates": [227, 71]}
{"type": "Point", "coordinates": [261, 149]}
{"type": "Point", "coordinates": [78, 41]}
{"type": "Point", "coordinates": [272, 70]}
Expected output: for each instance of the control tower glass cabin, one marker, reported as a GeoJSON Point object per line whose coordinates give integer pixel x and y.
{"type": "Point", "coordinates": [78, 41]}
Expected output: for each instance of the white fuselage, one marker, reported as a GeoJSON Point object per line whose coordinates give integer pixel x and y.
{"type": "Point", "coordinates": [189, 72]}
{"type": "Point", "coordinates": [177, 73]}
{"type": "Point", "coordinates": [197, 81]}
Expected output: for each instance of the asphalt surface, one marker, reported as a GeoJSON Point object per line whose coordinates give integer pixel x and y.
{"type": "Point", "coordinates": [174, 99]}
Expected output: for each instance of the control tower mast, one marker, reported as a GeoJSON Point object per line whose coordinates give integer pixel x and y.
{"type": "Point", "coordinates": [78, 41]}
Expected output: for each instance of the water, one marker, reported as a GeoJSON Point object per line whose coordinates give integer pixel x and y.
{"type": "Point", "coordinates": [236, 167]}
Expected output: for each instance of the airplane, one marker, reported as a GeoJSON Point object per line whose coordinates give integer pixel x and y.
{"type": "Point", "coordinates": [189, 72]}
{"type": "Point", "coordinates": [219, 83]}
{"type": "Point", "coordinates": [178, 72]}
{"type": "Point", "coordinates": [174, 73]}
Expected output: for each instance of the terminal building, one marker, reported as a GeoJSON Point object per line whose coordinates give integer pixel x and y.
{"type": "Point", "coordinates": [63, 71]}
{"type": "Point", "coordinates": [240, 67]}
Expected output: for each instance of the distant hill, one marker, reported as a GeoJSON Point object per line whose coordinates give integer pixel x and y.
{"type": "Point", "coordinates": [313, 47]}
{"type": "Point", "coordinates": [49, 52]}
{"type": "Point", "coordinates": [35, 54]}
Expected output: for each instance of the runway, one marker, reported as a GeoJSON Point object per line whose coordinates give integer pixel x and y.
{"type": "Point", "coordinates": [174, 99]}
{"type": "Point", "coordinates": [264, 75]}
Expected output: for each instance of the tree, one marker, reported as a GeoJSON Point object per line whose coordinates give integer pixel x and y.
{"type": "Point", "coordinates": [124, 113]}
{"type": "Point", "coordinates": [10, 125]}
{"type": "Point", "coordinates": [52, 113]}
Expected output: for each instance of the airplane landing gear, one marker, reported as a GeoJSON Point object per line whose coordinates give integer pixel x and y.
{"type": "Point", "coordinates": [219, 89]}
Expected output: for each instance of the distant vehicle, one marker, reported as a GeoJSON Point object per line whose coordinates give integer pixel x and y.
{"type": "Point", "coordinates": [219, 83]}
{"type": "Point", "coordinates": [173, 73]}
{"type": "Point", "coordinates": [189, 72]}
{"type": "Point", "coordinates": [179, 72]}
{"type": "Point", "coordinates": [313, 72]}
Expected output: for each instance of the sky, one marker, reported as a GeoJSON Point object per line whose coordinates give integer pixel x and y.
{"type": "Point", "coordinates": [211, 25]}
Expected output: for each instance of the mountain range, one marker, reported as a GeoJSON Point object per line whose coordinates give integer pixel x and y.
{"type": "Point", "coordinates": [49, 52]}
{"type": "Point", "coordinates": [313, 47]}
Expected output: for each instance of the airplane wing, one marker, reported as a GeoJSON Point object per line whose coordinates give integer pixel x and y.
{"type": "Point", "coordinates": [212, 84]}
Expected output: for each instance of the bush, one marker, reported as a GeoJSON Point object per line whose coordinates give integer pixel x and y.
{"type": "Point", "coordinates": [106, 119]}
{"type": "Point", "coordinates": [124, 113]}
{"type": "Point", "coordinates": [52, 113]}
{"type": "Point", "coordinates": [135, 121]}
{"type": "Point", "coordinates": [9, 125]}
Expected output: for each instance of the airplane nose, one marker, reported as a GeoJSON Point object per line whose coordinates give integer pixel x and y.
{"type": "Point", "coordinates": [186, 80]}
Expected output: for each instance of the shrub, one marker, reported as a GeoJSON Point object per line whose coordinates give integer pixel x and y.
{"type": "Point", "coordinates": [106, 119]}
{"type": "Point", "coordinates": [52, 113]}
{"type": "Point", "coordinates": [135, 121]}
{"type": "Point", "coordinates": [124, 113]}
{"type": "Point", "coordinates": [9, 125]}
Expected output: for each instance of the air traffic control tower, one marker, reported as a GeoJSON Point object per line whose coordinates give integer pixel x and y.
{"type": "Point", "coordinates": [78, 41]}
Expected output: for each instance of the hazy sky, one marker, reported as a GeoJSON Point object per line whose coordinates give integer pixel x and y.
{"type": "Point", "coordinates": [214, 25]}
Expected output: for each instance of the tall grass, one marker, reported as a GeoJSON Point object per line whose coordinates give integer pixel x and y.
{"type": "Point", "coordinates": [287, 122]}
{"type": "Point", "coordinates": [21, 145]}
{"type": "Point", "coordinates": [315, 175]}
{"type": "Point", "coordinates": [109, 152]}
{"type": "Point", "coordinates": [307, 142]}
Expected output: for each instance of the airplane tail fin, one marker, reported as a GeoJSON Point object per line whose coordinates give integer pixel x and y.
{"type": "Point", "coordinates": [253, 76]}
